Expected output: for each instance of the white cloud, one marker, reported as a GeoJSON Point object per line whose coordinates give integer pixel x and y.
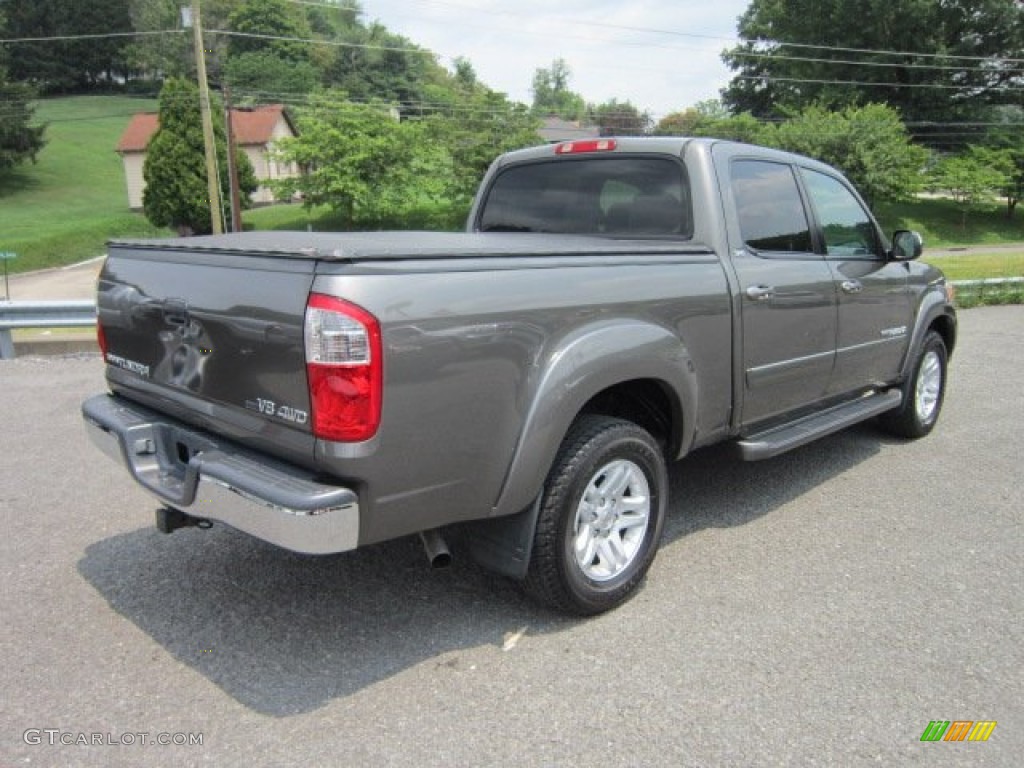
{"type": "Point", "coordinates": [662, 56]}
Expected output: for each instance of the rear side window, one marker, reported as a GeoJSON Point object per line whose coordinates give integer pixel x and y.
{"type": "Point", "coordinates": [612, 196]}
{"type": "Point", "coordinates": [771, 212]}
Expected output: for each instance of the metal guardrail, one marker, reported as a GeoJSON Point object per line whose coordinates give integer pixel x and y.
{"type": "Point", "coordinates": [82, 313]}
{"type": "Point", "coordinates": [42, 314]}
{"type": "Point", "coordinates": [995, 290]}
{"type": "Point", "coordinates": [993, 281]}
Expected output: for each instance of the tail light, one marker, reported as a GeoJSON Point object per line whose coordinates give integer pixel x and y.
{"type": "Point", "coordinates": [101, 339]}
{"type": "Point", "coordinates": [344, 368]}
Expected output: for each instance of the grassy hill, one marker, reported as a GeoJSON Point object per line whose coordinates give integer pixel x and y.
{"type": "Point", "coordinates": [64, 208]}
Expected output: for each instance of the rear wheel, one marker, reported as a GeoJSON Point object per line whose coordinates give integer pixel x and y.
{"type": "Point", "coordinates": [601, 517]}
{"type": "Point", "coordinates": [924, 393]}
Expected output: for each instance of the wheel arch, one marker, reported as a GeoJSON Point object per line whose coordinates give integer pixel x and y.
{"type": "Point", "coordinates": [635, 370]}
{"type": "Point", "coordinates": [934, 314]}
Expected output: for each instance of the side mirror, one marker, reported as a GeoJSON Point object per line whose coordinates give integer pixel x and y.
{"type": "Point", "coordinates": [906, 245]}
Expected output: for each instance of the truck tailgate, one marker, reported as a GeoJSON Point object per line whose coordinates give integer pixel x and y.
{"type": "Point", "coordinates": [215, 339]}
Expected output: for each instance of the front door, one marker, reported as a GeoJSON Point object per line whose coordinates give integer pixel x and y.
{"type": "Point", "coordinates": [875, 313]}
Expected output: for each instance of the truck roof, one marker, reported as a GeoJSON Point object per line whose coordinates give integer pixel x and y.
{"type": "Point", "coordinates": [666, 145]}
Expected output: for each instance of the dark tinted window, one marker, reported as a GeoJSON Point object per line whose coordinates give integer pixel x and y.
{"type": "Point", "coordinates": [772, 216]}
{"type": "Point", "coordinates": [614, 196]}
{"type": "Point", "coordinates": [846, 225]}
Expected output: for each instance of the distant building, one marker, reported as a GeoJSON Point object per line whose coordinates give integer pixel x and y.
{"type": "Point", "coordinates": [555, 129]}
{"type": "Point", "coordinates": [256, 130]}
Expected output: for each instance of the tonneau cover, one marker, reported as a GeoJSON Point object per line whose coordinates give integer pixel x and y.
{"type": "Point", "coordinates": [360, 246]}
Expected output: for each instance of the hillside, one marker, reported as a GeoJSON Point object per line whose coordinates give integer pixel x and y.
{"type": "Point", "coordinates": [65, 207]}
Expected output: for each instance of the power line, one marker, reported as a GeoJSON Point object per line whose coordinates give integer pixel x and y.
{"type": "Point", "coordinates": [990, 62]}
{"type": "Point", "coordinates": [97, 36]}
{"type": "Point", "coordinates": [577, 22]}
{"type": "Point", "coordinates": [424, 51]}
{"type": "Point", "coordinates": [884, 64]}
{"type": "Point", "coordinates": [331, 6]}
{"type": "Point", "coordinates": [874, 52]}
{"type": "Point", "coordinates": [872, 84]}
{"type": "Point", "coordinates": [315, 41]}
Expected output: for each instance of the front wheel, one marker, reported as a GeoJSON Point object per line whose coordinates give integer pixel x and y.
{"type": "Point", "coordinates": [601, 517]}
{"type": "Point", "coordinates": [924, 393]}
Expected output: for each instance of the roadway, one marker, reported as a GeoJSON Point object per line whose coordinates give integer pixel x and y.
{"type": "Point", "coordinates": [817, 609]}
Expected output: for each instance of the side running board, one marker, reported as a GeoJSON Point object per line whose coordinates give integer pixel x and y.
{"type": "Point", "coordinates": [786, 437]}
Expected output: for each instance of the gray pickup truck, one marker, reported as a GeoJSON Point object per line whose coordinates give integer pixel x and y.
{"type": "Point", "coordinates": [615, 305]}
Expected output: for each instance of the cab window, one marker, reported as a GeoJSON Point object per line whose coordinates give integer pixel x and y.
{"type": "Point", "coordinates": [771, 212]}
{"type": "Point", "coordinates": [627, 197]}
{"type": "Point", "coordinates": [847, 228]}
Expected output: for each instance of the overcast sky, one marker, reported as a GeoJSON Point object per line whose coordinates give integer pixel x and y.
{"type": "Point", "coordinates": [662, 55]}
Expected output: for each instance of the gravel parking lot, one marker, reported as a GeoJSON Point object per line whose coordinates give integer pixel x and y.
{"type": "Point", "coordinates": [817, 609]}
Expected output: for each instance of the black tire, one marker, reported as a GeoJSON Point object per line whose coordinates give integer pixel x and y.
{"type": "Point", "coordinates": [596, 456]}
{"type": "Point", "coordinates": [923, 393]}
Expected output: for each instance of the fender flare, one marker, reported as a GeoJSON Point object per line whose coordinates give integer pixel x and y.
{"type": "Point", "coordinates": [933, 306]}
{"type": "Point", "coordinates": [585, 363]}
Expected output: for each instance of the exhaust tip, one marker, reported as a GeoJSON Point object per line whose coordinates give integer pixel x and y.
{"type": "Point", "coordinates": [436, 548]}
{"type": "Point", "coordinates": [441, 560]}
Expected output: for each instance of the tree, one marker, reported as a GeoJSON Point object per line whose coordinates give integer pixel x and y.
{"type": "Point", "coordinates": [159, 56]}
{"type": "Point", "coordinates": [798, 53]}
{"type": "Point", "coordinates": [475, 125]}
{"type": "Point", "coordinates": [712, 119]}
{"type": "Point", "coordinates": [265, 72]}
{"type": "Point", "coordinates": [969, 178]}
{"type": "Point", "coordinates": [869, 144]}
{"type": "Point", "coordinates": [616, 118]}
{"type": "Point", "coordinates": [267, 19]}
{"type": "Point", "coordinates": [378, 64]}
{"type": "Point", "coordinates": [176, 193]}
{"type": "Point", "coordinates": [551, 94]}
{"type": "Point", "coordinates": [68, 65]}
{"type": "Point", "coordinates": [1006, 138]}
{"type": "Point", "coordinates": [361, 161]}
{"type": "Point", "coordinates": [19, 139]}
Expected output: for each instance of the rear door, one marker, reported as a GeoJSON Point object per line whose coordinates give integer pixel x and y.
{"type": "Point", "coordinates": [875, 312]}
{"type": "Point", "coordinates": [786, 293]}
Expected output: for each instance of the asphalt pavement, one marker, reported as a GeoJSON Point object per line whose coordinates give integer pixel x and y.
{"type": "Point", "coordinates": [821, 608]}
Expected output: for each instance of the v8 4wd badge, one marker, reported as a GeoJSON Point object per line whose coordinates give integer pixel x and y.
{"type": "Point", "coordinates": [283, 412]}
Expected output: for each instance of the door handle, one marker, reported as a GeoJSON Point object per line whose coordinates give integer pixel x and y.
{"type": "Point", "coordinates": [761, 292]}
{"type": "Point", "coordinates": [852, 286]}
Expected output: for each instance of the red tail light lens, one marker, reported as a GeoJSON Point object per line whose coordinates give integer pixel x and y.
{"type": "Point", "coordinates": [344, 367]}
{"type": "Point", "coordinates": [101, 340]}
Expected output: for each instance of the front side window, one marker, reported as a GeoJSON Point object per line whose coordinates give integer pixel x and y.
{"type": "Point", "coordinates": [770, 210]}
{"type": "Point", "coordinates": [847, 228]}
{"type": "Point", "coordinates": [612, 196]}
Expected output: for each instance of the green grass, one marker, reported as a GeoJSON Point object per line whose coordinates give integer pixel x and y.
{"type": "Point", "coordinates": [323, 219]}
{"type": "Point", "coordinates": [976, 266]}
{"type": "Point", "coordinates": [63, 209]}
{"type": "Point", "coordinates": [294, 216]}
{"type": "Point", "coordinates": [940, 222]}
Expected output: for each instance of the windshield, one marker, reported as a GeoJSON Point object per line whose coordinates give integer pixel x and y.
{"type": "Point", "coordinates": [614, 196]}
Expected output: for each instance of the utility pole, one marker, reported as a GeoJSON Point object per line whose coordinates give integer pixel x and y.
{"type": "Point", "coordinates": [236, 201]}
{"type": "Point", "coordinates": [213, 183]}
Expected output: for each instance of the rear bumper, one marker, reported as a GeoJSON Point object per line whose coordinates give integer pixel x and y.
{"type": "Point", "coordinates": [212, 479]}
